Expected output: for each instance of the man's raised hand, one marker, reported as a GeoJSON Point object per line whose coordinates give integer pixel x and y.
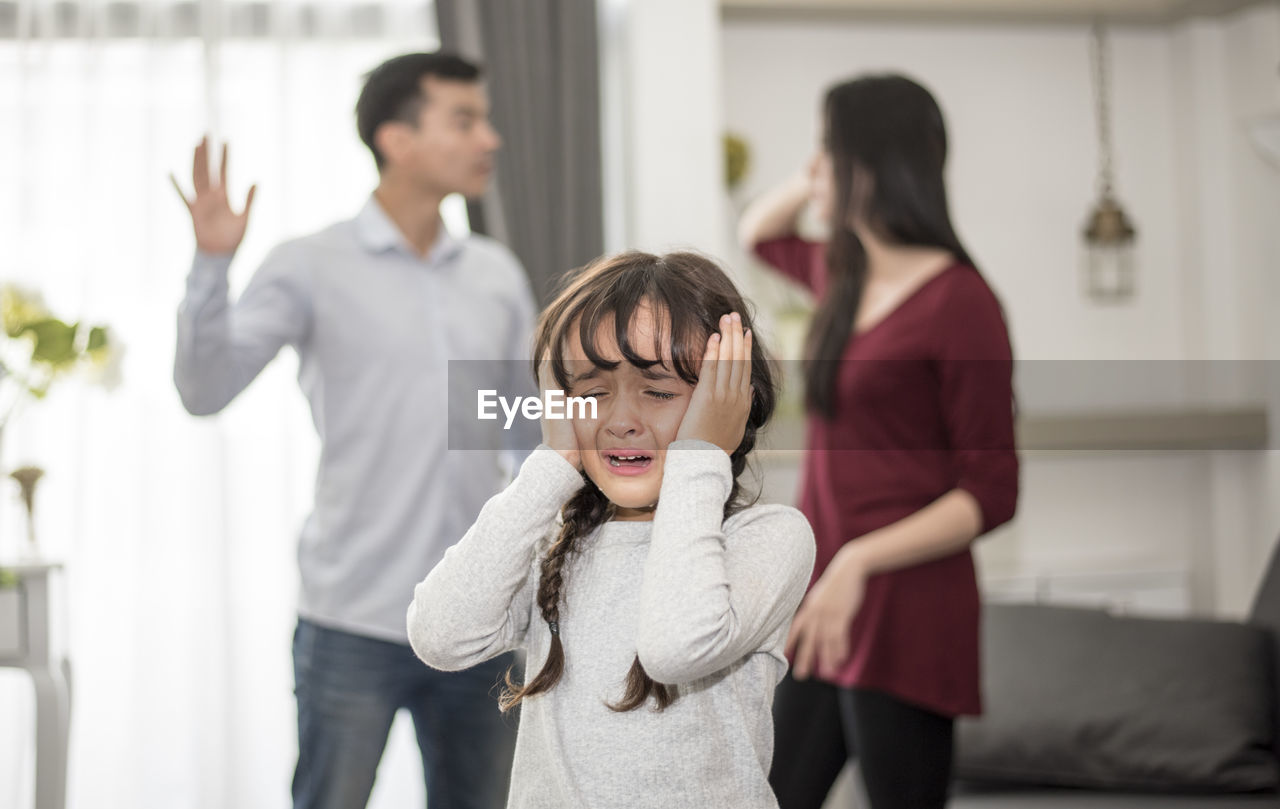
{"type": "Point", "coordinates": [218, 228]}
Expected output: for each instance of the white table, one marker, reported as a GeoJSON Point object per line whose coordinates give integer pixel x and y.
{"type": "Point", "coordinates": [25, 644]}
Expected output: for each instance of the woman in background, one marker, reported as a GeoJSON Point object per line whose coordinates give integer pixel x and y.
{"type": "Point", "coordinates": [910, 452]}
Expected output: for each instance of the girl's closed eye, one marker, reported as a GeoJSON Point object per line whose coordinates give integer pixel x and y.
{"type": "Point", "coordinates": [661, 395]}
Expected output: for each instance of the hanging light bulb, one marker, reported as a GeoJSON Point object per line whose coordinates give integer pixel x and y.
{"type": "Point", "coordinates": [1109, 234]}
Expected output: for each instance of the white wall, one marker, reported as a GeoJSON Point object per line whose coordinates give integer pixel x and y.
{"type": "Point", "coordinates": [1020, 115]}
{"type": "Point", "coordinates": [1019, 106]}
{"type": "Point", "coordinates": [662, 125]}
{"type": "Point", "coordinates": [1253, 45]}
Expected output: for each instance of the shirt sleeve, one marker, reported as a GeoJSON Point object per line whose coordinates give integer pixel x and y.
{"type": "Point", "coordinates": [477, 602]}
{"type": "Point", "coordinates": [223, 346]}
{"type": "Point", "coordinates": [798, 259]}
{"type": "Point", "coordinates": [976, 374]}
{"type": "Point", "coordinates": [715, 591]}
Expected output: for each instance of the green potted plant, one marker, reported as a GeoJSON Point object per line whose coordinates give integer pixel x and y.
{"type": "Point", "coordinates": [37, 350]}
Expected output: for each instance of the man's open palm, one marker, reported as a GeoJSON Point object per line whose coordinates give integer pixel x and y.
{"type": "Point", "coordinates": [218, 228]}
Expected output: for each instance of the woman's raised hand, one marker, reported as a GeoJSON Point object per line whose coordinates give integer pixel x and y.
{"type": "Point", "coordinates": [722, 398]}
{"type": "Point", "coordinates": [218, 228]}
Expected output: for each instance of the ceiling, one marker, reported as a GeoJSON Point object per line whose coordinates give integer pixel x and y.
{"type": "Point", "coordinates": [1142, 12]}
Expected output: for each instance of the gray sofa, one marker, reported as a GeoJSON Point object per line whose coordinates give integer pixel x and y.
{"type": "Point", "coordinates": [1086, 710]}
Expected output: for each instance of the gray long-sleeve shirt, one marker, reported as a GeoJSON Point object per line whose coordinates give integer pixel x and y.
{"type": "Point", "coordinates": [375, 326]}
{"type": "Point", "coordinates": [705, 602]}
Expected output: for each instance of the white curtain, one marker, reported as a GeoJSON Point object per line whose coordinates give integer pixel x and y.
{"type": "Point", "coordinates": [178, 534]}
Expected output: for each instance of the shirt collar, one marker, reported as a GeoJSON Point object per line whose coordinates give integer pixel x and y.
{"type": "Point", "coordinates": [377, 233]}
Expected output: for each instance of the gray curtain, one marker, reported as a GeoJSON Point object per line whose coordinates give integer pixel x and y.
{"type": "Point", "coordinates": [541, 64]}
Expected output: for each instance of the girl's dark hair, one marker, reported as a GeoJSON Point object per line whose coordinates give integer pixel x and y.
{"type": "Point", "coordinates": [888, 147]}
{"type": "Point", "coordinates": [688, 293]}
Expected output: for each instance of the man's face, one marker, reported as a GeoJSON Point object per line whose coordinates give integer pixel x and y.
{"type": "Point", "coordinates": [451, 149]}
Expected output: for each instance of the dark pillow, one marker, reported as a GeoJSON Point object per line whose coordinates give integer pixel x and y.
{"type": "Point", "coordinates": [1078, 697]}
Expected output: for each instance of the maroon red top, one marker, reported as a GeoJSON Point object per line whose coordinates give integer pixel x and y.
{"type": "Point", "coordinates": [924, 405]}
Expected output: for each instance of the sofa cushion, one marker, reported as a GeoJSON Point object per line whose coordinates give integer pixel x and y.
{"type": "Point", "coordinates": [1078, 697]}
{"type": "Point", "coordinates": [1266, 614]}
{"type": "Point", "coordinates": [1059, 798]}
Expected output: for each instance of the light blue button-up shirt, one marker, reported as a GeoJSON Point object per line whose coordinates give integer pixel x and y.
{"type": "Point", "coordinates": [374, 325]}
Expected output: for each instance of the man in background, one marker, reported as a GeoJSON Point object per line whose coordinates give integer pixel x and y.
{"type": "Point", "coordinates": [375, 308]}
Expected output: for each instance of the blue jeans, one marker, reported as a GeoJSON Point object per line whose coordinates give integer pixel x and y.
{"type": "Point", "coordinates": [349, 688]}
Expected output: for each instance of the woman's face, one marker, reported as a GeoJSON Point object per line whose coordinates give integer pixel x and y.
{"type": "Point", "coordinates": [638, 413]}
{"type": "Point", "coordinates": [822, 191]}
{"type": "Point", "coordinates": [822, 184]}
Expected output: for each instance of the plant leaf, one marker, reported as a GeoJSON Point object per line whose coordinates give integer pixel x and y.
{"type": "Point", "coordinates": [97, 339]}
{"type": "Point", "coordinates": [20, 306]}
{"type": "Point", "coordinates": [55, 341]}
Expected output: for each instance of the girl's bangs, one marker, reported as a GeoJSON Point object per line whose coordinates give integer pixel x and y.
{"type": "Point", "coordinates": [676, 322]}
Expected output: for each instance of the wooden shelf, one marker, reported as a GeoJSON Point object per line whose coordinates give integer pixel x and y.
{"type": "Point", "coordinates": [1228, 428]}
{"type": "Point", "coordinates": [1207, 429]}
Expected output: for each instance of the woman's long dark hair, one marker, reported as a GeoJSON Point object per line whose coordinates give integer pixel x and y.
{"type": "Point", "coordinates": [888, 147]}
{"type": "Point", "coordinates": [688, 294]}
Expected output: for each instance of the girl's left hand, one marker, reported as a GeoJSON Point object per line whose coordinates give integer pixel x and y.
{"type": "Point", "coordinates": [819, 637]}
{"type": "Point", "coordinates": [721, 400]}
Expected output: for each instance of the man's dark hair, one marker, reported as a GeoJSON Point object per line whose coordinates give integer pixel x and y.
{"type": "Point", "coordinates": [393, 90]}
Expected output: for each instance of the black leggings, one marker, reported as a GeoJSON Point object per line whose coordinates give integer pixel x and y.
{"type": "Point", "coordinates": [903, 752]}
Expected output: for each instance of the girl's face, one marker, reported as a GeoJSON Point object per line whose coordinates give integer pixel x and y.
{"type": "Point", "coordinates": [638, 413]}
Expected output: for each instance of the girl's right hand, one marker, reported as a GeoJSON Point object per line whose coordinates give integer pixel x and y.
{"type": "Point", "coordinates": [557, 433]}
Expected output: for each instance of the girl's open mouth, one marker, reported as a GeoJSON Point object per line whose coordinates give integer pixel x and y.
{"type": "Point", "coordinates": [627, 461]}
